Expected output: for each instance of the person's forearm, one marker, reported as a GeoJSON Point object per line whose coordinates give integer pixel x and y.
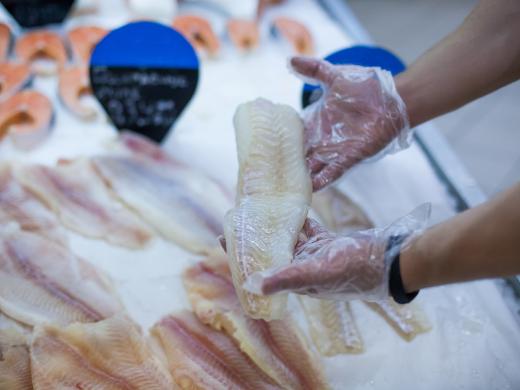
{"type": "Point", "coordinates": [482, 55]}
{"type": "Point", "coordinates": [483, 242]}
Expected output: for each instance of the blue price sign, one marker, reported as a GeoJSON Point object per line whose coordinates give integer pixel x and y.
{"type": "Point", "coordinates": [356, 55]}
{"type": "Point", "coordinates": [144, 74]}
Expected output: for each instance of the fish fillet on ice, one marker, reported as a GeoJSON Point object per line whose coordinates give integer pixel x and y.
{"type": "Point", "coordinates": [202, 358]}
{"type": "Point", "coordinates": [182, 204]}
{"type": "Point", "coordinates": [83, 203]}
{"type": "Point", "coordinates": [42, 281]}
{"type": "Point", "coordinates": [273, 196]}
{"type": "Point", "coordinates": [19, 205]}
{"type": "Point", "coordinates": [278, 347]}
{"type": "Point", "coordinates": [111, 354]}
{"type": "Point", "coordinates": [407, 320]}
{"type": "Point", "coordinates": [332, 326]}
{"type": "Point", "coordinates": [340, 214]}
{"type": "Point", "coordinates": [15, 369]}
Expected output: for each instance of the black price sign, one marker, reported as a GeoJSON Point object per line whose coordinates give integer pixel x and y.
{"type": "Point", "coordinates": [35, 13]}
{"type": "Point", "coordinates": [144, 75]}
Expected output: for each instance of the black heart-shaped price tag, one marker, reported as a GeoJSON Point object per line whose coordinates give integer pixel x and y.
{"type": "Point", "coordinates": [144, 74]}
{"type": "Point", "coordinates": [37, 13]}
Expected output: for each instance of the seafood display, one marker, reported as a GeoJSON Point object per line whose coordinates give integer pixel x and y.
{"type": "Point", "coordinates": [295, 33]}
{"type": "Point", "coordinates": [83, 203]}
{"type": "Point", "coordinates": [40, 45]}
{"type": "Point", "coordinates": [202, 358]}
{"type": "Point", "coordinates": [5, 41]}
{"type": "Point", "coordinates": [198, 32]}
{"type": "Point", "coordinates": [112, 274]}
{"type": "Point", "coordinates": [26, 119]}
{"type": "Point", "coordinates": [110, 354]}
{"type": "Point", "coordinates": [83, 39]}
{"type": "Point", "coordinates": [74, 83]}
{"type": "Point", "coordinates": [277, 347]}
{"type": "Point", "coordinates": [20, 206]}
{"type": "Point", "coordinates": [13, 77]}
{"type": "Point", "coordinates": [182, 204]}
{"type": "Point", "coordinates": [15, 369]}
{"type": "Point", "coordinates": [243, 33]}
{"type": "Point", "coordinates": [273, 196]}
{"type": "Point", "coordinates": [41, 281]}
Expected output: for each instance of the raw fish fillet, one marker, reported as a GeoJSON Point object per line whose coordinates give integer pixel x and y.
{"type": "Point", "coordinates": [143, 148]}
{"type": "Point", "coordinates": [20, 206]}
{"type": "Point", "coordinates": [111, 354]}
{"type": "Point", "coordinates": [83, 203]}
{"type": "Point", "coordinates": [340, 214]}
{"type": "Point", "coordinates": [273, 195]}
{"type": "Point", "coordinates": [407, 320]}
{"type": "Point", "coordinates": [202, 358]}
{"type": "Point", "coordinates": [182, 204]}
{"type": "Point", "coordinates": [332, 326]}
{"type": "Point", "coordinates": [278, 347]}
{"type": "Point", "coordinates": [42, 281]}
{"type": "Point", "coordinates": [15, 369]}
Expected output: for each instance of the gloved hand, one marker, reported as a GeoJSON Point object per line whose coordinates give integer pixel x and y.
{"type": "Point", "coordinates": [359, 115]}
{"type": "Point", "coordinates": [336, 267]}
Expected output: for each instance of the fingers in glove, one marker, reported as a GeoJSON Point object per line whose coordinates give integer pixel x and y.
{"type": "Point", "coordinates": [314, 68]}
{"type": "Point", "coordinates": [288, 278]}
{"type": "Point", "coordinates": [311, 227]}
{"type": "Point", "coordinates": [327, 175]}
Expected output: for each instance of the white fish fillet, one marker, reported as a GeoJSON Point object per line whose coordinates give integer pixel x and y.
{"type": "Point", "coordinates": [200, 357]}
{"type": "Point", "coordinates": [43, 282]}
{"type": "Point", "coordinates": [15, 369]}
{"type": "Point", "coordinates": [332, 326]}
{"type": "Point", "coordinates": [83, 203]}
{"type": "Point", "coordinates": [407, 320]}
{"type": "Point", "coordinates": [20, 206]}
{"type": "Point", "coordinates": [278, 347]}
{"type": "Point", "coordinates": [182, 204]}
{"type": "Point", "coordinates": [273, 195]}
{"type": "Point", "coordinates": [111, 354]}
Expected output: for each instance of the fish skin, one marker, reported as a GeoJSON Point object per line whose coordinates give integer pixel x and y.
{"type": "Point", "coordinates": [83, 203]}
{"type": "Point", "coordinates": [43, 282]}
{"type": "Point", "coordinates": [184, 205]}
{"type": "Point", "coordinates": [111, 354]}
{"type": "Point", "coordinates": [278, 347]}
{"type": "Point", "coordinates": [15, 369]}
{"type": "Point", "coordinates": [202, 358]}
{"type": "Point", "coordinates": [20, 206]}
{"type": "Point", "coordinates": [273, 194]}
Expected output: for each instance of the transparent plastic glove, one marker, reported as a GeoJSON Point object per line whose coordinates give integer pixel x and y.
{"type": "Point", "coordinates": [359, 115]}
{"type": "Point", "coordinates": [336, 267]}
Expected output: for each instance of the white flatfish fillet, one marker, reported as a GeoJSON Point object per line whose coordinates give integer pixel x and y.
{"type": "Point", "coordinates": [110, 354]}
{"type": "Point", "coordinates": [273, 196]}
{"type": "Point", "coordinates": [41, 281]}
{"type": "Point", "coordinates": [83, 203]}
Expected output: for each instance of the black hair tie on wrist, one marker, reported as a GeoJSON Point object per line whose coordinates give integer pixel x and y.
{"type": "Point", "coordinates": [395, 281]}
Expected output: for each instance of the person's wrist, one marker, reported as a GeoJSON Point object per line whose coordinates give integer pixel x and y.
{"type": "Point", "coordinates": [414, 267]}
{"type": "Point", "coordinates": [405, 91]}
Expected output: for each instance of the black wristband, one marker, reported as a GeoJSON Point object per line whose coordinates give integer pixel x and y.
{"type": "Point", "coordinates": [395, 281]}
